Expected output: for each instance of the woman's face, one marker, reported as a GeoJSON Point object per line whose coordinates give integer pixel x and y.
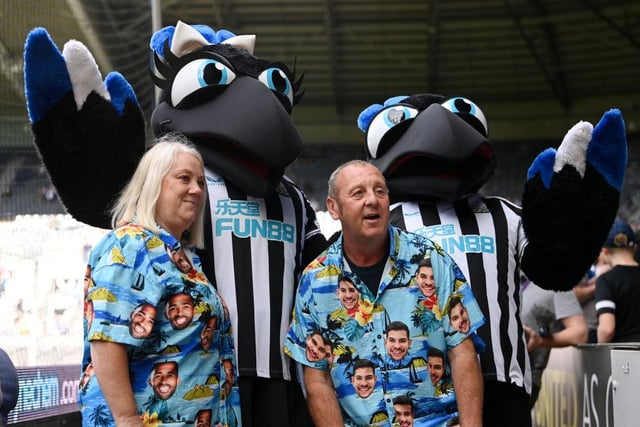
{"type": "Point", "coordinates": [181, 195]}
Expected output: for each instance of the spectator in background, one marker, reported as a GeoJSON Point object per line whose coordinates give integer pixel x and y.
{"type": "Point", "coordinates": [585, 291]}
{"type": "Point", "coordinates": [618, 290]}
{"type": "Point", "coordinates": [550, 319]}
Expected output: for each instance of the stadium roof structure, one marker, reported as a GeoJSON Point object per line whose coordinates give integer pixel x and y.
{"type": "Point", "coordinates": [535, 67]}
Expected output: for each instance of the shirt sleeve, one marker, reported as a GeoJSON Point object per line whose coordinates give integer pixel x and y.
{"type": "Point", "coordinates": [458, 288]}
{"type": "Point", "coordinates": [566, 304]}
{"type": "Point", "coordinates": [604, 298]}
{"type": "Point", "coordinates": [304, 323]}
{"type": "Point", "coordinates": [119, 274]}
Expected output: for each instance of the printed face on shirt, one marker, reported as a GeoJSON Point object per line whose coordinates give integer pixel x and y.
{"type": "Point", "coordinates": [86, 376]}
{"type": "Point", "coordinates": [404, 414]}
{"type": "Point", "coordinates": [228, 374]}
{"type": "Point", "coordinates": [436, 368]}
{"type": "Point", "coordinates": [348, 294]}
{"type": "Point", "coordinates": [203, 418]}
{"type": "Point", "coordinates": [180, 311]}
{"type": "Point", "coordinates": [164, 379]}
{"type": "Point", "coordinates": [89, 314]}
{"type": "Point", "coordinates": [179, 260]}
{"type": "Point", "coordinates": [181, 195]}
{"type": "Point", "coordinates": [316, 348]}
{"type": "Point", "coordinates": [459, 318]}
{"type": "Point", "coordinates": [206, 335]}
{"type": "Point", "coordinates": [364, 380]}
{"type": "Point", "coordinates": [426, 281]}
{"type": "Point", "coordinates": [87, 280]}
{"type": "Point", "coordinates": [228, 370]}
{"type": "Point", "coordinates": [142, 320]}
{"type": "Point", "coordinates": [361, 203]}
{"type": "Point", "coordinates": [397, 344]}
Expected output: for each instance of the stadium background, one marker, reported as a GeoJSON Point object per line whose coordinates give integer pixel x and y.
{"type": "Point", "coordinates": [43, 251]}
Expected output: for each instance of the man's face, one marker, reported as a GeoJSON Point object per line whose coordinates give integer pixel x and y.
{"type": "Point", "coordinates": [364, 380]}
{"type": "Point", "coordinates": [89, 313]}
{"type": "Point", "coordinates": [361, 203]}
{"type": "Point", "coordinates": [436, 368]}
{"type": "Point", "coordinates": [228, 370]}
{"type": "Point", "coordinates": [164, 380]}
{"type": "Point", "coordinates": [404, 416]}
{"type": "Point", "coordinates": [397, 344]}
{"type": "Point", "coordinates": [87, 280]}
{"type": "Point", "coordinates": [459, 318]}
{"type": "Point", "coordinates": [142, 320]}
{"type": "Point", "coordinates": [86, 376]}
{"type": "Point", "coordinates": [203, 419]}
{"type": "Point", "coordinates": [348, 294]}
{"type": "Point", "coordinates": [180, 311]}
{"type": "Point", "coordinates": [316, 349]}
{"type": "Point", "coordinates": [206, 335]}
{"type": "Point", "coordinates": [426, 281]}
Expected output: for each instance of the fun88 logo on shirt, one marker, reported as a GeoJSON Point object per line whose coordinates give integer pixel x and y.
{"type": "Point", "coordinates": [447, 237]}
{"type": "Point", "coordinates": [243, 219]}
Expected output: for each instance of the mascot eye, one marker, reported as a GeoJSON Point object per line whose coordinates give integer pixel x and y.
{"type": "Point", "coordinates": [468, 111]}
{"type": "Point", "coordinates": [383, 122]}
{"type": "Point", "coordinates": [278, 81]}
{"type": "Point", "coordinates": [199, 74]}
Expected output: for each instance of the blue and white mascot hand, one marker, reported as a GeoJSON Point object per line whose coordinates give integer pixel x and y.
{"type": "Point", "coordinates": [90, 132]}
{"type": "Point", "coordinates": [434, 149]}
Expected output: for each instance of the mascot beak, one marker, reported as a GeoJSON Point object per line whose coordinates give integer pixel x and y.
{"type": "Point", "coordinates": [438, 156]}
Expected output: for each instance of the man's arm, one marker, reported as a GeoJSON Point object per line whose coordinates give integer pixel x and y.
{"type": "Point", "coordinates": [606, 327]}
{"type": "Point", "coordinates": [321, 398]}
{"type": "Point", "coordinates": [111, 367]}
{"type": "Point", "coordinates": [467, 382]}
{"type": "Point", "coordinates": [575, 332]}
{"type": "Point", "coordinates": [585, 292]}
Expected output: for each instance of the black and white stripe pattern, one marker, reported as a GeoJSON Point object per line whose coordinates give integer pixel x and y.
{"type": "Point", "coordinates": [255, 250]}
{"type": "Point", "coordinates": [485, 238]}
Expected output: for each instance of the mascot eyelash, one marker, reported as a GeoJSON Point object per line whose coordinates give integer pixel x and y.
{"type": "Point", "coordinates": [230, 62]}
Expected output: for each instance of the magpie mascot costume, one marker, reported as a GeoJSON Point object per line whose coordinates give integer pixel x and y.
{"type": "Point", "coordinates": [435, 154]}
{"type": "Point", "coordinates": [235, 107]}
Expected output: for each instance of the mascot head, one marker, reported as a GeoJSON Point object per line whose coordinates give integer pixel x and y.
{"type": "Point", "coordinates": [429, 147]}
{"type": "Point", "coordinates": [234, 106]}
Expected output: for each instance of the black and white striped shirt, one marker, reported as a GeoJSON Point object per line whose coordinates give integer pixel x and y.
{"type": "Point", "coordinates": [485, 238]}
{"type": "Point", "coordinates": [255, 251]}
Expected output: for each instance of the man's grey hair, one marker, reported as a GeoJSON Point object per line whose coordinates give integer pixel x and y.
{"type": "Point", "coordinates": [331, 188]}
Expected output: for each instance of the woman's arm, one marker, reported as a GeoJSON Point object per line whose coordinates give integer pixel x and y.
{"type": "Point", "coordinates": [111, 366]}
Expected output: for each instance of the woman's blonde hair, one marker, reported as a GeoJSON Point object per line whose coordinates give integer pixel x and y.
{"type": "Point", "coordinates": [137, 201]}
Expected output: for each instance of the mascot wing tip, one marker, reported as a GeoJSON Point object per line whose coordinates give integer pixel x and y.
{"type": "Point", "coordinates": [543, 165]}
